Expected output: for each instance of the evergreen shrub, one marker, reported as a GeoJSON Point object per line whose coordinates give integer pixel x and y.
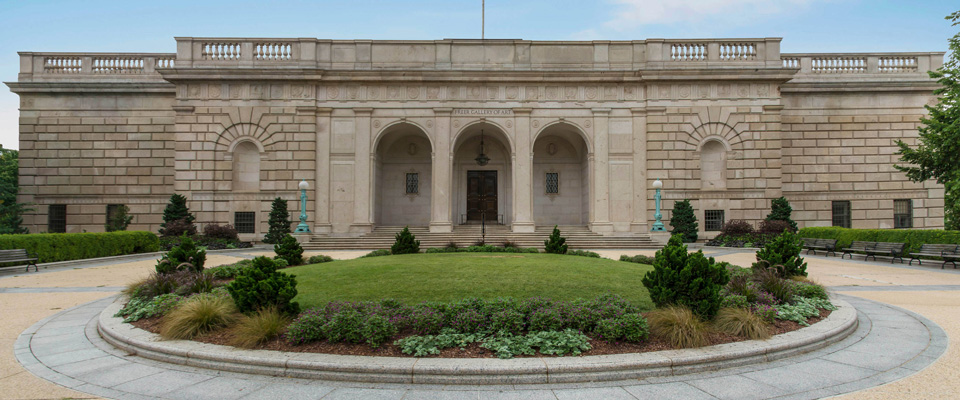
{"type": "Point", "coordinates": [289, 249]}
{"type": "Point", "coordinates": [262, 286]}
{"type": "Point", "coordinates": [780, 211]}
{"type": "Point", "coordinates": [683, 221]}
{"type": "Point", "coordinates": [783, 254]}
{"type": "Point", "coordinates": [686, 279]}
{"type": "Point", "coordinates": [120, 220]}
{"type": "Point", "coordinates": [185, 256]}
{"type": "Point", "coordinates": [279, 221]}
{"type": "Point", "coordinates": [406, 243]}
{"type": "Point", "coordinates": [555, 243]}
{"type": "Point", "coordinates": [177, 210]}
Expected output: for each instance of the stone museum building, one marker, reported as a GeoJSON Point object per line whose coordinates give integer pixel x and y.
{"type": "Point", "coordinates": [440, 134]}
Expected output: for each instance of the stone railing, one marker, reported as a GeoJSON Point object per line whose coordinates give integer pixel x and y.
{"type": "Point", "coordinates": [863, 63]}
{"type": "Point", "coordinates": [241, 52]}
{"type": "Point", "coordinates": [713, 52]}
{"type": "Point", "coordinates": [92, 64]}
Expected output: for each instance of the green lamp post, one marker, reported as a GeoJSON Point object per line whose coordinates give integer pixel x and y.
{"type": "Point", "coordinates": [302, 227]}
{"type": "Point", "coordinates": [657, 225]}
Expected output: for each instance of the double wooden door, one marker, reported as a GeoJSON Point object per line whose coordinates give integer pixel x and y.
{"type": "Point", "coordinates": [481, 195]}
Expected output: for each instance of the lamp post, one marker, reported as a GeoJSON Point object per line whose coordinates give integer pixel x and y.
{"type": "Point", "coordinates": [302, 227]}
{"type": "Point", "coordinates": [482, 160]}
{"type": "Point", "coordinates": [657, 225]}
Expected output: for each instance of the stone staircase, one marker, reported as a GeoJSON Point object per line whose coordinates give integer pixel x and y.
{"type": "Point", "coordinates": [578, 237]}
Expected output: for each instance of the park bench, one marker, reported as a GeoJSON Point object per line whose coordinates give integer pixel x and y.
{"type": "Point", "coordinates": [948, 252]}
{"type": "Point", "coordinates": [827, 245]}
{"type": "Point", "coordinates": [886, 249]}
{"type": "Point", "coordinates": [858, 247]}
{"type": "Point", "coordinates": [18, 256]}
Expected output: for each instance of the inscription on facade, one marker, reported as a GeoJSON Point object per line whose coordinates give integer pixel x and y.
{"type": "Point", "coordinates": [483, 111]}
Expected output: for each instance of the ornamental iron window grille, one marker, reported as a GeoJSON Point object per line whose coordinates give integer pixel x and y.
{"type": "Point", "coordinates": [713, 220]}
{"type": "Point", "coordinates": [57, 218]}
{"type": "Point", "coordinates": [413, 183]}
{"type": "Point", "coordinates": [841, 213]}
{"type": "Point", "coordinates": [553, 182]}
{"type": "Point", "coordinates": [903, 213]}
{"type": "Point", "coordinates": [245, 221]}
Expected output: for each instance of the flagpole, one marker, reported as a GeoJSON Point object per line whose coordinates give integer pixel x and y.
{"type": "Point", "coordinates": [483, 18]}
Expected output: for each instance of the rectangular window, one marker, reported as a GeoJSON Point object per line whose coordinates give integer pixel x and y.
{"type": "Point", "coordinates": [553, 182]}
{"type": "Point", "coordinates": [413, 183]}
{"type": "Point", "coordinates": [841, 213]}
{"type": "Point", "coordinates": [713, 220]}
{"type": "Point", "coordinates": [903, 213]}
{"type": "Point", "coordinates": [245, 221]}
{"type": "Point", "coordinates": [57, 218]}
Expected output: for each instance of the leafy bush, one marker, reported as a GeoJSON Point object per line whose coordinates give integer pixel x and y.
{"type": "Point", "coordinates": [226, 232]}
{"type": "Point", "coordinates": [678, 326]}
{"type": "Point", "coordinates": [684, 222]}
{"type": "Point", "coordinates": [780, 211]}
{"type": "Point", "coordinates": [774, 227]}
{"type": "Point", "coordinates": [509, 244]}
{"type": "Point", "coordinates": [345, 326]}
{"type": "Point", "coordinates": [741, 322]}
{"type": "Point", "coordinates": [426, 319]}
{"type": "Point", "coordinates": [228, 271]}
{"type": "Point", "coordinates": [176, 210]}
{"type": "Point", "coordinates": [185, 256]}
{"type": "Point", "coordinates": [198, 315]}
{"type": "Point", "coordinates": [420, 346]}
{"type": "Point", "coordinates": [289, 249]}
{"type": "Point", "coordinates": [770, 281]}
{"type": "Point", "coordinates": [377, 253]}
{"type": "Point", "coordinates": [120, 220]}
{"type": "Point", "coordinates": [639, 259]}
{"type": "Point", "coordinates": [583, 253]}
{"type": "Point", "coordinates": [783, 254]}
{"type": "Point", "coordinates": [686, 279]}
{"type": "Point", "coordinates": [803, 308]}
{"type": "Point", "coordinates": [51, 247]}
{"type": "Point", "coordinates": [507, 320]}
{"type": "Point", "coordinates": [318, 259]}
{"type": "Point", "coordinates": [376, 330]}
{"type": "Point", "coordinates": [559, 342]}
{"type": "Point", "coordinates": [736, 227]}
{"type": "Point", "coordinates": [279, 221]}
{"type": "Point", "coordinates": [146, 307]}
{"type": "Point", "coordinates": [810, 290]}
{"type": "Point", "coordinates": [628, 327]}
{"type": "Point", "coordinates": [307, 327]}
{"type": "Point", "coordinates": [734, 301]}
{"type": "Point", "coordinates": [555, 243]}
{"type": "Point", "coordinates": [406, 243]}
{"type": "Point", "coordinates": [469, 321]}
{"type": "Point", "coordinates": [180, 227]}
{"type": "Point", "coordinates": [545, 319]}
{"type": "Point", "coordinates": [766, 312]}
{"type": "Point", "coordinates": [914, 238]}
{"type": "Point", "coordinates": [258, 328]}
{"type": "Point", "coordinates": [262, 286]}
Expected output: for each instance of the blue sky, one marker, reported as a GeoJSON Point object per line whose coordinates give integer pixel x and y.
{"type": "Point", "coordinates": [149, 26]}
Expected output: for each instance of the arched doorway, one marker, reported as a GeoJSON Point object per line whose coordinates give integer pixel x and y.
{"type": "Point", "coordinates": [561, 190]}
{"type": "Point", "coordinates": [403, 176]}
{"type": "Point", "coordinates": [482, 190]}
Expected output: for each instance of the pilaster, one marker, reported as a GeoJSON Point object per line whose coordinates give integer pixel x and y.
{"type": "Point", "coordinates": [601, 172]}
{"type": "Point", "coordinates": [322, 190]}
{"type": "Point", "coordinates": [363, 174]}
{"type": "Point", "coordinates": [522, 173]}
{"type": "Point", "coordinates": [441, 191]}
{"type": "Point", "coordinates": [639, 223]}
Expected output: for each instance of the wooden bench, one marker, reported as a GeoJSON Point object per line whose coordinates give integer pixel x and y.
{"type": "Point", "coordinates": [886, 249]}
{"type": "Point", "coordinates": [18, 256]}
{"type": "Point", "coordinates": [945, 251]}
{"type": "Point", "coordinates": [859, 247]}
{"type": "Point", "coordinates": [827, 245]}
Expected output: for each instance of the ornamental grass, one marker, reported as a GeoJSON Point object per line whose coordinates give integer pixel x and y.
{"type": "Point", "coordinates": [678, 326]}
{"type": "Point", "coordinates": [259, 327]}
{"type": "Point", "coordinates": [201, 314]}
{"type": "Point", "coordinates": [741, 322]}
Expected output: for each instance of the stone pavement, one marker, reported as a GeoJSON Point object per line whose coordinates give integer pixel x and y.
{"type": "Point", "coordinates": [890, 344]}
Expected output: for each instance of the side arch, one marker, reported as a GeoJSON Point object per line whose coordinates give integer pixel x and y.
{"type": "Point", "coordinates": [559, 123]}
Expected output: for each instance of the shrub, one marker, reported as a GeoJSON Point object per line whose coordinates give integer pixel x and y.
{"type": "Point", "coordinates": [469, 320]}
{"type": "Point", "coordinates": [198, 315]}
{"type": "Point", "coordinates": [736, 227]}
{"type": "Point", "coordinates": [426, 320]}
{"type": "Point", "coordinates": [686, 279]}
{"type": "Point", "coordinates": [507, 244]}
{"type": "Point", "coordinates": [156, 284]}
{"type": "Point", "coordinates": [810, 290]}
{"type": "Point", "coordinates": [289, 249]}
{"type": "Point", "coordinates": [279, 221]}
{"type": "Point", "coordinates": [262, 286]}
{"type": "Point", "coordinates": [377, 253]}
{"type": "Point", "coordinates": [307, 327]}
{"type": "Point", "coordinates": [914, 238]}
{"type": "Point", "coordinates": [420, 346]}
{"type": "Point", "coordinates": [376, 330]}
{"type": "Point", "coordinates": [555, 243]}
{"type": "Point", "coordinates": [771, 282]}
{"type": "Point", "coordinates": [344, 326]}
{"type": "Point", "coordinates": [741, 322]}
{"type": "Point", "coordinates": [639, 259]}
{"type": "Point", "coordinates": [507, 320]}
{"type": "Point", "coordinates": [318, 259]}
{"type": "Point", "coordinates": [678, 326]}
{"type": "Point", "coordinates": [559, 343]}
{"type": "Point", "coordinates": [228, 271]}
{"type": "Point", "coordinates": [545, 319]}
{"type": "Point", "coordinates": [628, 327]}
{"type": "Point", "coordinates": [583, 253]}
{"type": "Point", "coordinates": [120, 220]}
{"type": "Point", "coordinates": [774, 227]}
{"type": "Point", "coordinates": [780, 211]}
{"type": "Point", "coordinates": [783, 252]}
{"type": "Point", "coordinates": [185, 256]}
{"type": "Point", "coordinates": [258, 328]}
{"type": "Point", "coordinates": [51, 247]}
{"type": "Point", "coordinates": [801, 309]}
{"type": "Point", "coordinates": [177, 210]}
{"type": "Point", "coordinates": [683, 221]}
{"type": "Point", "coordinates": [180, 227]}
{"type": "Point", "coordinates": [226, 232]}
{"type": "Point", "coordinates": [406, 243]}
{"type": "Point", "coordinates": [147, 307]}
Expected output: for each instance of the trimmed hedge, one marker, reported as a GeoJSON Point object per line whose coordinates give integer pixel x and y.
{"type": "Point", "coordinates": [51, 247]}
{"type": "Point", "coordinates": [914, 238]}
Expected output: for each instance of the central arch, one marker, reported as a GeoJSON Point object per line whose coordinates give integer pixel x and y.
{"type": "Point", "coordinates": [404, 175]}
{"type": "Point", "coordinates": [473, 184]}
{"type": "Point", "coordinates": [561, 190]}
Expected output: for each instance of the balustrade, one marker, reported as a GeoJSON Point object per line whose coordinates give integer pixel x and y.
{"type": "Point", "coordinates": [688, 52]}
{"type": "Point", "coordinates": [118, 65]}
{"type": "Point", "coordinates": [62, 65]}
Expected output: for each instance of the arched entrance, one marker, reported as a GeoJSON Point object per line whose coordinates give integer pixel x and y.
{"type": "Point", "coordinates": [403, 177]}
{"type": "Point", "coordinates": [482, 192]}
{"type": "Point", "coordinates": [561, 190]}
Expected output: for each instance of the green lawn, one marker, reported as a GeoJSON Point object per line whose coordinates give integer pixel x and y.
{"type": "Point", "coordinates": [413, 278]}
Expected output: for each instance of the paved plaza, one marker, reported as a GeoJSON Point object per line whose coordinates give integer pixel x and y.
{"type": "Point", "coordinates": [900, 349]}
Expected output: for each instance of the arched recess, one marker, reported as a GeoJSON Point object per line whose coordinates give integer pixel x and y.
{"type": "Point", "coordinates": [494, 181]}
{"type": "Point", "coordinates": [561, 190]}
{"type": "Point", "coordinates": [404, 176]}
{"type": "Point", "coordinates": [246, 166]}
{"type": "Point", "coordinates": [713, 164]}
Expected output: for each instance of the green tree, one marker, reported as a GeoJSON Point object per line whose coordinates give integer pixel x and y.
{"type": "Point", "coordinates": [686, 279]}
{"type": "Point", "coordinates": [783, 255]}
{"type": "Point", "coordinates": [176, 210]}
{"type": "Point", "coordinates": [279, 221]}
{"type": "Point", "coordinates": [11, 212]}
{"type": "Point", "coordinates": [939, 144]}
{"type": "Point", "coordinates": [780, 211]}
{"type": "Point", "coordinates": [683, 221]}
{"type": "Point", "coordinates": [405, 243]}
{"type": "Point", "coordinates": [289, 249]}
{"type": "Point", "coordinates": [120, 220]}
{"type": "Point", "coordinates": [555, 243]}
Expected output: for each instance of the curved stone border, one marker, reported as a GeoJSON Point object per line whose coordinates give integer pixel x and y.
{"type": "Point", "coordinates": [836, 327]}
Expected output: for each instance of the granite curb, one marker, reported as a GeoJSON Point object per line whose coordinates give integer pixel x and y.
{"type": "Point", "coordinates": [840, 324]}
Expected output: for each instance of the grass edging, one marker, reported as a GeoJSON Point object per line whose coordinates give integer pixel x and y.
{"type": "Point", "coordinates": [834, 328]}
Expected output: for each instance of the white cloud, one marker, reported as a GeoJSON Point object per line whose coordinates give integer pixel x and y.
{"type": "Point", "coordinates": [666, 12]}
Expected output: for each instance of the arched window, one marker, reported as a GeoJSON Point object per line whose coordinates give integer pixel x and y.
{"type": "Point", "coordinates": [713, 165]}
{"type": "Point", "coordinates": [246, 167]}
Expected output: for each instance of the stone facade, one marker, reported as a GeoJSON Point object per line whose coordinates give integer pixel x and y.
{"type": "Point", "coordinates": [386, 133]}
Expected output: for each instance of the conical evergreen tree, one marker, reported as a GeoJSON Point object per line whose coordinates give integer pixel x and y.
{"type": "Point", "coordinates": [405, 243]}
{"type": "Point", "coordinates": [683, 221]}
{"type": "Point", "coordinates": [279, 221]}
{"type": "Point", "coordinates": [556, 243]}
{"type": "Point", "coordinates": [176, 210]}
{"type": "Point", "coordinates": [780, 211]}
{"type": "Point", "coordinates": [686, 279]}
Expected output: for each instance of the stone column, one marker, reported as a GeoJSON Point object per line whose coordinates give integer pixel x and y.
{"type": "Point", "coordinates": [362, 172]}
{"type": "Point", "coordinates": [639, 223]}
{"type": "Point", "coordinates": [441, 196]}
{"type": "Point", "coordinates": [601, 172]}
{"type": "Point", "coordinates": [322, 190]}
{"type": "Point", "coordinates": [522, 173]}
